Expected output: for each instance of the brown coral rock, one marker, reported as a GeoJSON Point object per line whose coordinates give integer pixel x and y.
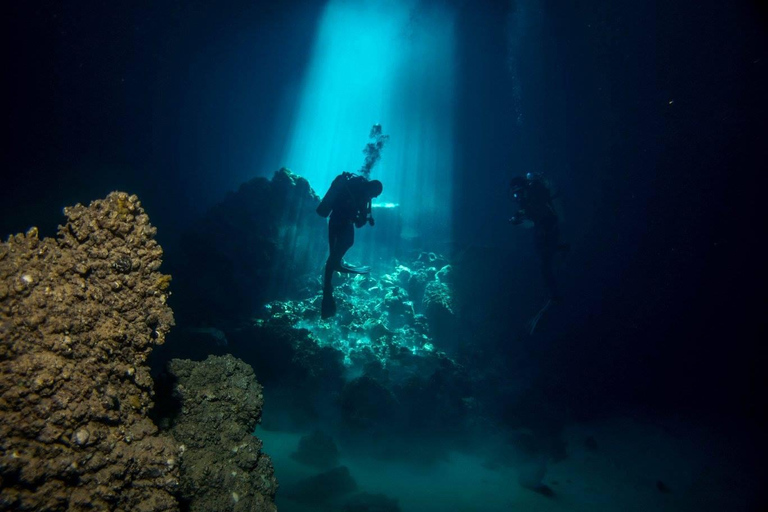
{"type": "Point", "coordinates": [78, 317]}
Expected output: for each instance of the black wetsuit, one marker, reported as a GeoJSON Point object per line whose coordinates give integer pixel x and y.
{"type": "Point", "coordinates": [536, 206]}
{"type": "Point", "coordinates": [350, 207]}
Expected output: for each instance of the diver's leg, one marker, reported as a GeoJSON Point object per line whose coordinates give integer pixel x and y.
{"type": "Point", "coordinates": [334, 258]}
{"type": "Point", "coordinates": [345, 241]}
{"type": "Point", "coordinates": [328, 276]}
{"type": "Point", "coordinates": [341, 236]}
{"type": "Point", "coordinates": [328, 306]}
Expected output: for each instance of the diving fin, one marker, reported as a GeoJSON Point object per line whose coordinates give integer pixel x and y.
{"type": "Point", "coordinates": [346, 268]}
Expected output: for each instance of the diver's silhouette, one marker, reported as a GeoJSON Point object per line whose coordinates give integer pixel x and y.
{"type": "Point", "coordinates": [535, 200]}
{"type": "Point", "coordinates": [348, 202]}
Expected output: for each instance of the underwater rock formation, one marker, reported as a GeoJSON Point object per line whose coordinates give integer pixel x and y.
{"type": "Point", "coordinates": [376, 358]}
{"type": "Point", "coordinates": [368, 406]}
{"type": "Point", "coordinates": [531, 477]}
{"type": "Point", "coordinates": [79, 315]}
{"type": "Point", "coordinates": [222, 465]}
{"type": "Point", "coordinates": [324, 488]}
{"type": "Point", "coordinates": [440, 310]}
{"type": "Point", "coordinates": [259, 244]}
{"type": "Point", "coordinates": [380, 327]}
{"type": "Point", "coordinates": [297, 372]}
{"type": "Point", "coordinates": [317, 450]}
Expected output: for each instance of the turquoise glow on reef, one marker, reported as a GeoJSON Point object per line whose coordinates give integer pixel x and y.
{"type": "Point", "coordinates": [390, 62]}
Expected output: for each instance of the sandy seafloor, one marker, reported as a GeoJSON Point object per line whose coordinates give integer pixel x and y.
{"type": "Point", "coordinates": [703, 470]}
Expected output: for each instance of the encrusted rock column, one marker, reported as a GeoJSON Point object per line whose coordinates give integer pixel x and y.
{"type": "Point", "coordinates": [222, 465]}
{"type": "Point", "coordinates": [78, 317]}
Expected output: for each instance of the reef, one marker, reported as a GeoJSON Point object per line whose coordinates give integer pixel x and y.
{"type": "Point", "coordinates": [385, 321]}
{"type": "Point", "coordinates": [222, 465]}
{"type": "Point", "coordinates": [258, 244]}
{"type": "Point", "coordinates": [79, 315]}
{"type": "Point", "coordinates": [377, 359]}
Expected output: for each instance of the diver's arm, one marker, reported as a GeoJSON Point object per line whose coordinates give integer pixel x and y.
{"type": "Point", "coordinates": [361, 217]}
{"type": "Point", "coordinates": [369, 214]}
{"type": "Point", "coordinates": [364, 216]}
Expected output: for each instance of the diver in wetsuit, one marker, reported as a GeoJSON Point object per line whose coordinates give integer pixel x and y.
{"type": "Point", "coordinates": [348, 202]}
{"type": "Point", "coordinates": [535, 200]}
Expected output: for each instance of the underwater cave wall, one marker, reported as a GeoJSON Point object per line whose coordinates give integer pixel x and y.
{"type": "Point", "coordinates": [78, 317]}
{"type": "Point", "coordinates": [261, 243]}
{"type": "Point", "coordinates": [218, 405]}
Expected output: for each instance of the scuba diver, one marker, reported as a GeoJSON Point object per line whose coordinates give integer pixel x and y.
{"type": "Point", "coordinates": [535, 200]}
{"type": "Point", "coordinates": [348, 202]}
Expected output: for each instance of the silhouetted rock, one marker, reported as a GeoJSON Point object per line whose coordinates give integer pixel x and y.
{"type": "Point", "coordinates": [366, 405]}
{"type": "Point", "coordinates": [324, 487]}
{"type": "Point", "coordinates": [317, 450]}
{"type": "Point", "coordinates": [440, 309]}
{"type": "Point", "coordinates": [222, 465]}
{"type": "Point", "coordinates": [531, 477]}
{"type": "Point", "coordinates": [298, 374]}
{"type": "Point", "coordinates": [259, 244]}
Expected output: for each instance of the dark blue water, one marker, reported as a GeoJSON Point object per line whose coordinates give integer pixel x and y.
{"type": "Point", "coordinates": [643, 388]}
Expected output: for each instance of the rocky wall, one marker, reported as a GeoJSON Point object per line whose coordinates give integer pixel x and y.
{"type": "Point", "coordinates": [79, 315]}
{"type": "Point", "coordinates": [222, 465]}
{"type": "Point", "coordinates": [260, 243]}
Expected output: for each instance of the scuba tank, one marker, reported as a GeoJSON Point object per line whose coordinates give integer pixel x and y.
{"type": "Point", "coordinates": [326, 205]}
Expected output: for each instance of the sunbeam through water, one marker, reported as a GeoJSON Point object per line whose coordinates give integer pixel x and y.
{"type": "Point", "coordinates": [388, 62]}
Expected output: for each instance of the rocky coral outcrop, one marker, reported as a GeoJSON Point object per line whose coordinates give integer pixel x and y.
{"type": "Point", "coordinates": [222, 465]}
{"type": "Point", "coordinates": [296, 371]}
{"type": "Point", "coordinates": [376, 358]}
{"type": "Point", "coordinates": [79, 315]}
{"type": "Point", "coordinates": [440, 309]}
{"type": "Point", "coordinates": [388, 320]}
{"type": "Point", "coordinates": [259, 244]}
